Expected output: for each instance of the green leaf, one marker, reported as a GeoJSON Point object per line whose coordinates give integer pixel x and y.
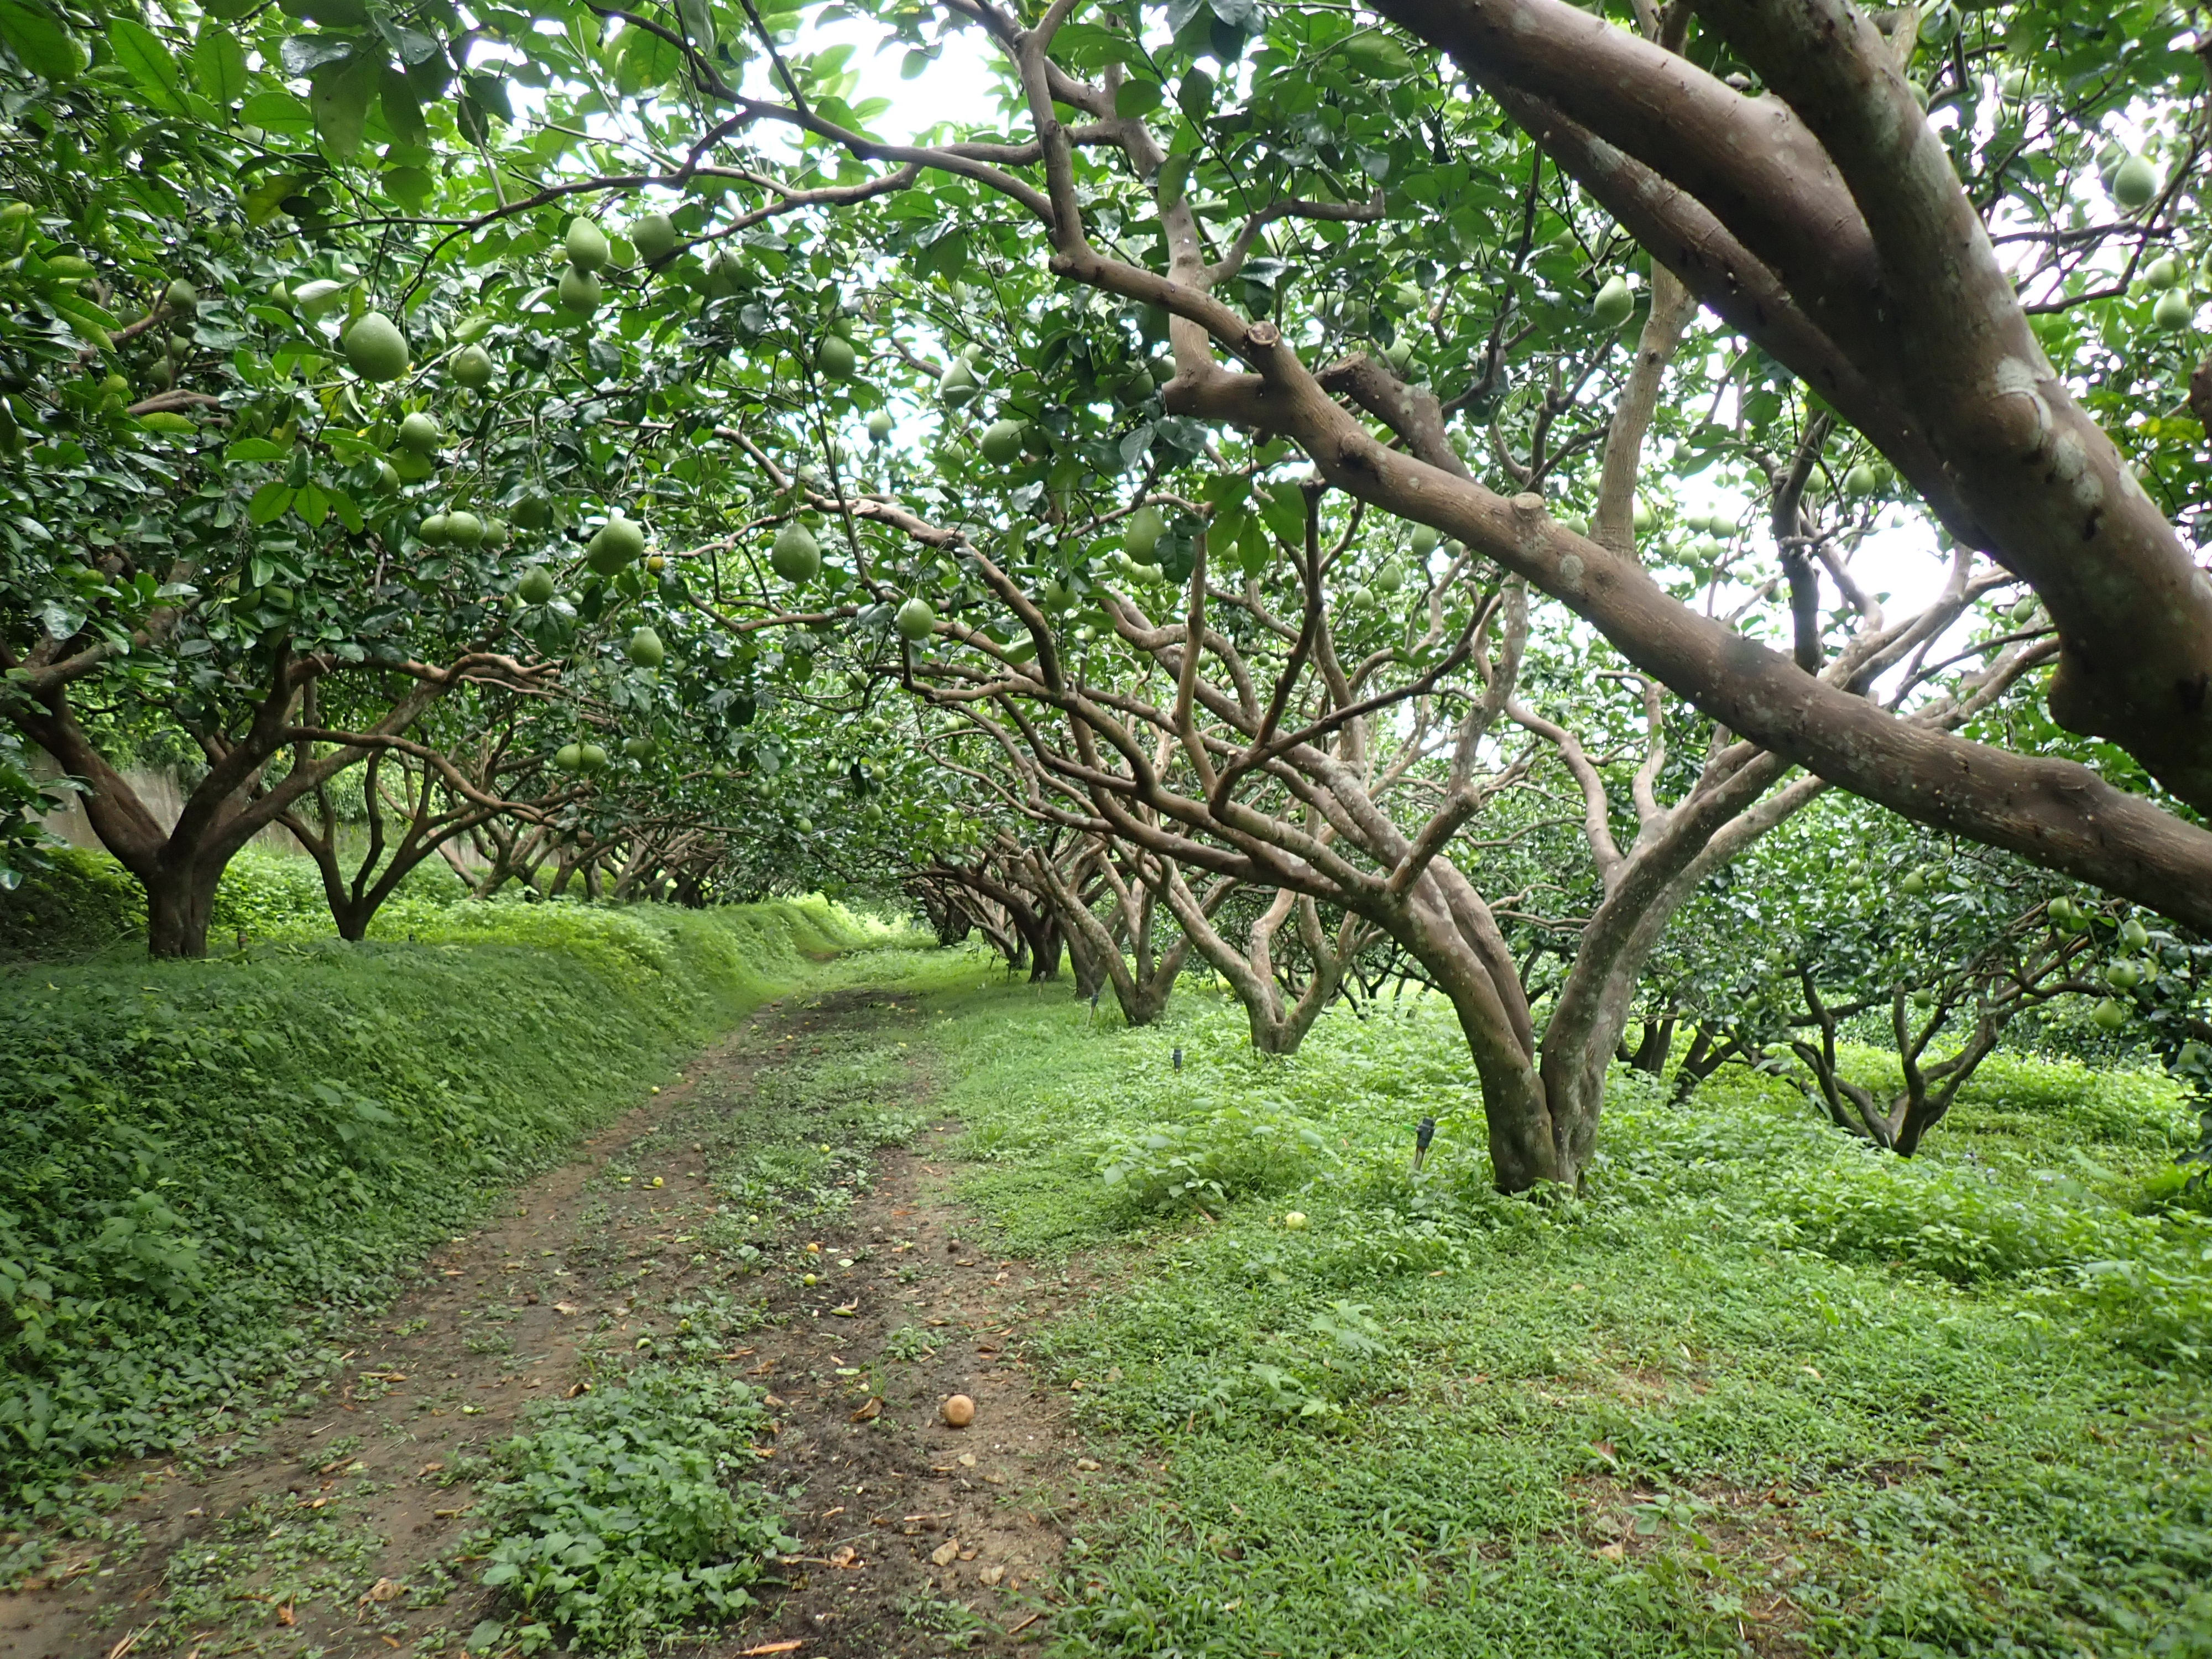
{"type": "Point", "coordinates": [402, 113]}
{"type": "Point", "coordinates": [1286, 513]}
{"type": "Point", "coordinates": [264, 201]}
{"type": "Point", "coordinates": [348, 513]}
{"type": "Point", "coordinates": [340, 96]}
{"type": "Point", "coordinates": [30, 30]}
{"type": "Point", "coordinates": [270, 502]}
{"type": "Point", "coordinates": [312, 505]}
{"type": "Point", "coordinates": [409, 186]}
{"type": "Point", "coordinates": [646, 62]}
{"type": "Point", "coordinates": [219, 65]}
{"type": "Point", "coordinates": [1137, 97]}
{"type": "Point", "coordinates": [141, 53]}
{"type": "Point", "coordinates": [279, 112]}
{"type": "Point", "coordinates": [256, 449]}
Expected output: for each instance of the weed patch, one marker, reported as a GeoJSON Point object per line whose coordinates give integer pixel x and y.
{"type": "Point", "coordinates": [618, 1516]}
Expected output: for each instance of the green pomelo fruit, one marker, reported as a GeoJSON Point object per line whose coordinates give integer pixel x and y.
{"type": "Point", "coordinates": [463, 529]}
{"type": "Point", "coordinates": [376, 349]}
{"type": "Point", "coordinates": [432, 529]}
{"type": "Point", "coordinates": [585, 245]}
{"type": "Point", "coordinates": [617, 543]}
{"type": "Point", "coordinates": [2108, 1016]}
{"type": "Point", "coordinates": [1614, 303]}
{"type": "Point", "coordinates": [879, 427]}
{"type": "Point", "coordinates": [914, 619]}
{"type": "Point", "coordinates": [569, 758]}
{"type": "Point", "coordinates": [533, 513]}
{"type": "Point", "coordinates": [639, 748]}
{"type": "Point", "coordinates": [580, 291]}
{"type": "Point", "coordinates": [2173, 310]}
{"type": "Point", "coordinates": [472, 367]}
{"type": "Point", "coordinates": [537, 586]}
{"type": "Point", "coordinates": [794, 554]}
{"type": "Point", "coordinates": [2134, 181]}
{"type": "Point", "coordinates": [181, 297]}
{"type": "Point", "coordinates": [419, 433]}
{"type": "Point", "coordinates": [1142, 531]}
{"type": "Point", "coordinates": [654, 237]}
{"type": "Point", "coordinates": [2162, 272]}
{"type": "Point", "coordinates": [645, 649]}
{"type": "Point", "coordinates": [836, 358]}
{"type": "Point", "coordinates": [590, 757]}
{"type": "Point", "coordinates": [1002, 442]}
{"type": "Point", "coordinates": [1861, 480]}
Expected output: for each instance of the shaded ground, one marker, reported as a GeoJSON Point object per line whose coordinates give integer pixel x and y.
{"type": "Point", "coordinates": [345, 1529]}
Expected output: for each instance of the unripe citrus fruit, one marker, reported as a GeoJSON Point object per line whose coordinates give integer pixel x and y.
{"type": "Point", "coordinates": [580, 291]}
{"type": "Point", "coordinates": [376, 349]}
{"type": "Point", "coordinates": [794, 554]}
{"type": "Point", "coordinates": [654, 238]}
{"type": "Point", "coordinates": [585, 245]}
{"type": "Point", "coordinates": [914, 619]}
{"type": "Point", "coordinates": [472, 367]}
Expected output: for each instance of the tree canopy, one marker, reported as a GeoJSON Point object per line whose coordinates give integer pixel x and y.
{"type": "Point", "coordinates": [1278, 487]}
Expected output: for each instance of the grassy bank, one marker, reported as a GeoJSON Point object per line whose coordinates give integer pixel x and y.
{"type": "Point", "coordinates": [1762, 1389]}
{"type": "Point", "coordinates": [205, 1167]}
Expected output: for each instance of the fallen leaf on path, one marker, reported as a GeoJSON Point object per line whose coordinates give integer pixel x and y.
{"type": "Point", "coordinates": [868, 1412]}
{"type": "Point", "coordinates": [771, 1647]}
{"type": "Point", "coordinates": [946, 1553]}
{"type": "Point", "coordinates": [386, 1590]}
{"type": "Point", "coordinates": [846, 1557]}
{"type": "Point", "coordinates": [127, 1642]}
{"type": "Point", "coordinates": [566, 1308]}
{"type": "Point", "coordinates": [847, 1310]}
{"type": "Point", "coordinates": [284, 1616]}
{"type": "Point", "coordinates": [1614, 1551]}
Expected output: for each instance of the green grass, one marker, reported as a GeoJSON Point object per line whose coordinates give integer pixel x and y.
{"type": "Point", "coordinates": [1761, 1388]}
{"type": "Point", "coordinates": [206, 1166]}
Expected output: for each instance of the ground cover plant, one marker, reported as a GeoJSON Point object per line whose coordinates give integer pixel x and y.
{"type": "Point", "coordinates": [1758, 1386]}
{"type": "Point", "coordinates": [207, 1168]}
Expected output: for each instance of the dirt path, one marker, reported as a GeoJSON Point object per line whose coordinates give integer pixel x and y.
{"type": "Point", "coordinates": [337, 1530]}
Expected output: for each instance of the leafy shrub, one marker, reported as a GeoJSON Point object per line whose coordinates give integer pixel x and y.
{"type": "Point", "coordinates": [1235, 1152]}
{"type": "Point", "coordinates": [75, 904]}
{"type": "Point", "coordinates": [614, 1519]}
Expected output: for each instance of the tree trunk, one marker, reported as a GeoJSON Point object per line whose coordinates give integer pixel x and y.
{"type": "Point", "coordinates": [1045, 952]}
{"type": "Point", "coordinates": [180, 903]}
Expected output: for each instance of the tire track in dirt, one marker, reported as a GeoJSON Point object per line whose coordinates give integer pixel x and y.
{"type": "Point", "coordinates": [335, 1529]}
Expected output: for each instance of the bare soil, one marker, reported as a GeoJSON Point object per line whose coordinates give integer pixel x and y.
{"type": "Point", "coordinates": [343, 1530]}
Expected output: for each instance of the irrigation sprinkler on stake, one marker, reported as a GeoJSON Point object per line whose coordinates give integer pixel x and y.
{"type": "Point", "coordinates": [1424, 1132]}
{"type": "Point", "coordinates": [1178, 1060]}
